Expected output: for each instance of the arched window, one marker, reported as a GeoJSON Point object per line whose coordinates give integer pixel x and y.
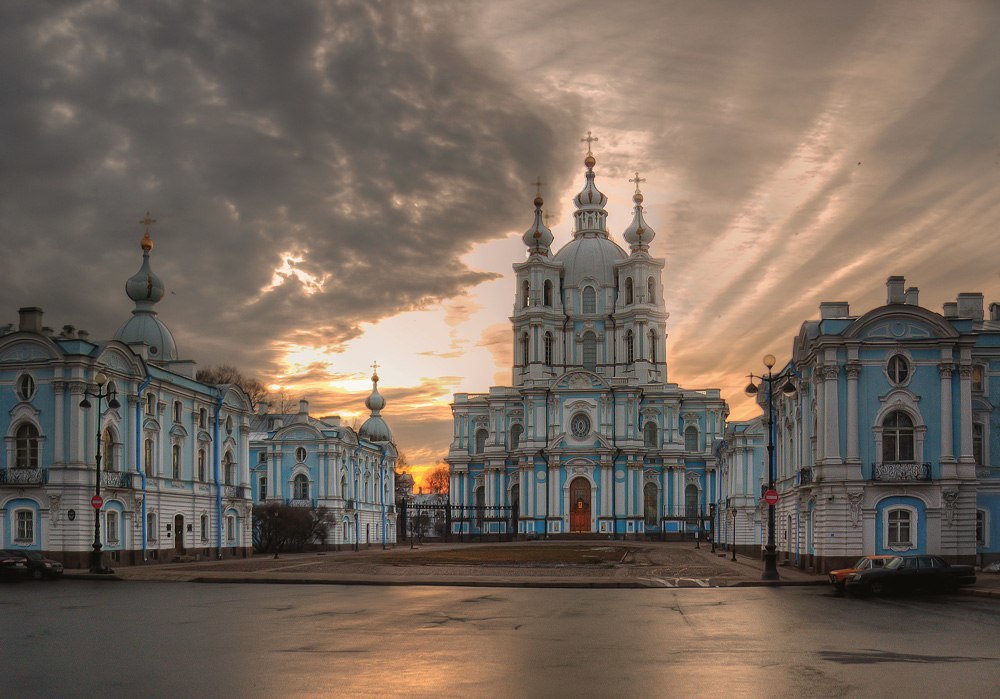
{"type": "Point", "coordinates": [229, 467]}
{"type": "Point", "coordinates": [691, 501]}
{"type": "Point", "coordinates": [481, 436]}
{"type": "Point", "coordinates": [343, 486]}
{"type": "Point", "coordinates": [547, 293]}
{"type": "Point", "coordinates": [151, 532]}
{"type": "Point", "coordinates": [590, 351]}
{"type": "Point", "coordinates": [368, 489]}
{"type": "Point", "coordinates": [112, 531]}
{"type": "Point", "coordinates": [589, 300]}
{"type": "Point", "coordinates": [204, 527]}
{"type": "Point", "coordinates": [650, 499]}
{"type": "Point", "coordinates": [629, 347]}
{"type": "Point", "coordinates": [629, 292]}
{"type": "Point", "coordinates": [691, 438]}
{"type": "Point", "coordinates": [899, 527]}
{"type": "Point", "coordinates": [201, 464]}
{"type": "Point", "coordinates": [649, 436]}
{"type": "Point", "coordinates": [525, 293]}
{"type": "Point", "coordinates": [25, 387]}
{"type": "Point", "coordinates": [175, 462]}
{"type": "Point", "coordinates": [147, 456]}
{"type": "Point", "coordinates": [650, 290]}
{"type": "Point", "coordinates": [26, 446]}
{"type": "Point", "coordinates": [300, 487]}
{"type": "Point", "coordinates": [898, 369]}
{"type": "Point", "coordinates": [897, 437]}
{"type": "Point", "coordinates": [515, 436]}
{"type": "Point", "coordinates": [652, 346]}
{"type": "Point", "coordinates": [108, 450]}
{"type": "Point", "coordinates": [548, 349]}
{"type": "Point", "coordinates": [229, 424]}
{"type": "Point", "coordinates": [525, 357]}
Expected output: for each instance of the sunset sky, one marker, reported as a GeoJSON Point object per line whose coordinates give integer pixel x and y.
{"type": "Point", "coordinates": [342, 182]}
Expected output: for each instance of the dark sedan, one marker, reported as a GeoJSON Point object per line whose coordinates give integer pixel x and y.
{"type": "Point", "coordinates": [910, 573]}
{"type": "Point", "coordinates": [37, 565]}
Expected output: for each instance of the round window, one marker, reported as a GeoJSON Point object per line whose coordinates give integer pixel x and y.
{"type": "Point", "coordinates": [25, 387]}
{"type": "Point", "coordinates": [580, 425]}
{"type": "Point", "coordinates": [898, 369]}
{"type": "Point", "coordinates": [300, 454]}
{"type": "Point", "coordinates": [229, 425]}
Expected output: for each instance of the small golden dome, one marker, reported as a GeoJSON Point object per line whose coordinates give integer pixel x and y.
{"type": "Point", "coordinates": [538, 201]}
{"type": "Point", "coordinates": [590, 161]}
{"type": "Point", "coordinates": [146, 243]}
{"type": "Point", "coordinates": [637, 197]}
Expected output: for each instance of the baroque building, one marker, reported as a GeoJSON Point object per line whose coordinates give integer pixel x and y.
{"type": "Point", "coordinates": [590, 436]}
{"type": "Point", "coordinates": [890, 444]}
{"type": "Point", "coordinates": [305, 461]}
{"type": "Point", "coordinates": [174, 452]}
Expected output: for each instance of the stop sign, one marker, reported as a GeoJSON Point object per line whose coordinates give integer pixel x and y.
{"type": "Point", "coordinates": [97, 501]}
{"type": "Point", "coordinates": [771, 497]}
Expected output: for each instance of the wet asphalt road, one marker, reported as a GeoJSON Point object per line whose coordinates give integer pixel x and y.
{"type": "Point", "coordinates": [184, 639]}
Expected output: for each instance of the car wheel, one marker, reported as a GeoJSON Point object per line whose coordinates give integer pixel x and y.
{"type": "Point", "coordinates": [876, 587]}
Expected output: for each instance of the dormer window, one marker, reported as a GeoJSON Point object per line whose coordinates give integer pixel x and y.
{"type": "Point", "coordinates": [898, 369]}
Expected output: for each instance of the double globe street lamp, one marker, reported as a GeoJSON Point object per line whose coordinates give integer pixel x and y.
{"type": "Point", "coordinates": [101, 379]}
{"type": "Point", "coordinates": [788, 390]}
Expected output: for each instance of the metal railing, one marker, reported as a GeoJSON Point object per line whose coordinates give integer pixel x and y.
{"type": "Point", "coordinates": [116, 479]}
{"type": "Point", "coordinates": [234, 491]}
{"type": "Point", "coordinates": [300, 502]}
{"type": "Point", "coordinates": [901, 471]}
{"type": "Point", "coordinates": [23, 476]}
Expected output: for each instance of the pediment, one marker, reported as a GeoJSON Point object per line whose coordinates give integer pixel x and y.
{"type": "Point", "coordinates": [28, 350]}
{"type": "Point", "coordinates": [297, 432]}
{"type": "Point", "coordinates": [580, 380]}
{"type": "Point", "coordinates": [119, 359]}
{"type": "Point", "coordinates": [897, 323]}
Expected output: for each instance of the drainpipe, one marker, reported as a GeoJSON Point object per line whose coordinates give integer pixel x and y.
{"type": "Point", "coordinates": [215, 475]}
{"type": "Point", "coordinates": [138, 453]}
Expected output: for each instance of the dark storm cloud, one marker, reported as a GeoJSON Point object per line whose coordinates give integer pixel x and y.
{"type": "Point", "coordinates": [352, 136]}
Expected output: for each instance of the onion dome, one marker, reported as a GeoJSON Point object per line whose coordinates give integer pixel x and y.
{"type": "Point", "coordinates": [375, 429]}
{"type": "Point", "coordinates": [638, 234]}
{"type": "Point", "coordinates": [539, 237]}
{"type": "Point", "coordinates": [146, 289]}
{"type": "Point", "coordinates": [590, 197]}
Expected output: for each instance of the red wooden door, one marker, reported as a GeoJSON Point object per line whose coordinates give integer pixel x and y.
{"type": "Point", "coordinates": [579, 502]}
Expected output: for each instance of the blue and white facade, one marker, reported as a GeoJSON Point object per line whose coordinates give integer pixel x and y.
{"type": "Point", "coordinates": [891, 443]}
{"type": "Point", "coordinates": [590, 436]}
{"type": "Point", "coordinates": [174, 474]}
{"type": "Point", "coordinates": [312, 462]}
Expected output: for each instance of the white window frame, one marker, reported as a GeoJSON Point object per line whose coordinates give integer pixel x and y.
{"type": "Point", "coordinates": [203, 523]}
{"type": "Point", "coordinates": [231, 529]}
{"type": "Point", "coordinates": [910, 369]}
{"type": "Point", "coordinates": [985, 541]}
{"type": "Point", "coordinates": [301, 454]}
{"type": "Point", "coordinates": [108, 530]}
{"type": "Point", "coordinates": [152, 531]}
{"type": "Point", "coordinates": [25, 396]}
{"type": "Point", "coordinates": [17, 538]}
{"type": "Point", "coordinates": [914, 533]}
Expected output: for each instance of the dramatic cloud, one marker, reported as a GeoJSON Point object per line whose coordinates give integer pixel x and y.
{"type": "Point", "coordinates": [323, 173]}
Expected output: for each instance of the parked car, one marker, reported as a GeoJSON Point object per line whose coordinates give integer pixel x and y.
{"type": "Point", "coordinates": [837, 577]}
{"type": "Point", "coordinates": [12, 567]}
{"type": "Point", "coordinates": [908, 573]}
{"type": "Point", "coordinates": [37, 565]}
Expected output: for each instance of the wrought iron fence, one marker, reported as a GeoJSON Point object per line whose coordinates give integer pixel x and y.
{"type": "Point", "coordinates": [116, 479]}
{"type": "Point", "coordinates": [902, 471]}
{"type": "Point", "coordinates": [234, 491]}
{"type": "Point", "coordinates": [420, 521]}
{"type": "Point", "coordinates": [23, 476]}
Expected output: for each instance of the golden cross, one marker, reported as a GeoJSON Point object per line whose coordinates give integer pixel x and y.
{"type": "Point", "coordinates": [147, 222]}
{"type": "Point", "coordinates": [375, 367]}
{"type": "Point", "coordinates": [589, 139]}
{"type": "Point", "coordinates": [637, 180]}
{"type": "Point", "coordinates": [538, 186]}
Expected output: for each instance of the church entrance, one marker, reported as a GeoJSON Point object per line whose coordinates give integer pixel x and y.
{"type": "Point", "coordinates": [179, 534]}
{"type": "Point", "coordinates": [579, 502]}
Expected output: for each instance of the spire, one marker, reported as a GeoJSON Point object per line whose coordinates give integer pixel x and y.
{"type": "Point", "coordinates": [590, 215]}
{"type": "Point", "coordinates": [638, 234]}
{"type": "Point", "coordinates": [538, 238]}
{"type": "Point", "coordinates": [375, 402]}
{"type": "Point", "coordinates": [145, 288]}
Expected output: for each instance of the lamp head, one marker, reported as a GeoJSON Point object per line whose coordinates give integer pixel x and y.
{"type": "Point", "coordinates": [751, 389]}
{"type": "Point", "coordinates": [85, 403]}
{"type": "Point", "coordinates": [101, 378]}
{"type": "Point", "coordinates": [788, 389]}
{"type": "Point", "coordinates": [769, 360]}
{"type": "Point", "coordinates": [113, 403]}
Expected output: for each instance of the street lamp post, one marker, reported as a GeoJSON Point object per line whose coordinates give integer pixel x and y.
{"type": "Point", "coordinates": [788, 389]}
{"type": "Point", "coordinates": [101, 379]}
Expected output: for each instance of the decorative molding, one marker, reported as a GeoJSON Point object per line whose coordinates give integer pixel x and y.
{"type": "Point", "coordinates": [23, 353]}
{"type": "Point", "coordinates": [950, 498]}
{"type": "Point", "coordinates": [854, 499]}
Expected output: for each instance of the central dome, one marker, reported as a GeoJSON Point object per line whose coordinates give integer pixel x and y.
{"type": "Point", "coordinates": [592, 256]}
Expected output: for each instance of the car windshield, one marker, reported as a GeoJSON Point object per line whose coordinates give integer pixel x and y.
{"type": "Point", "coordinates": [895, 563]}
{"type": "Point", "coordinates": [862, 564]}
{"type": "Point", "coordinates": [33, 555]}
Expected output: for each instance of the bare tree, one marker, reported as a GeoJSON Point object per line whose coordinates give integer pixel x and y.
{"type": "Point", "coordinates": [228, 374]}
{"type": "Point", "coordinates": [438, 480]}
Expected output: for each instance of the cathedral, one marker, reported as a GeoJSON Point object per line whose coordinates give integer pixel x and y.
{"type": "Point", "coordinates": [591, 437]}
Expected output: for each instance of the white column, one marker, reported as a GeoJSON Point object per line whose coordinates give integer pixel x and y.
{"type": "Point", "coordinates": [820, 417]}
{"type": "Point", "coordinates": [947, 440]}
{"type": "Point", "coordinates": [965, 413]}
{"type": "Point", "coordinates": [853, 370]}
{"type": "Point", "coordinates": [59, 390]}
{"type": "Point", "coordinates": [832, 422]}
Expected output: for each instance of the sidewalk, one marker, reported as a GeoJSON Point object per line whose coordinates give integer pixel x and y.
{"type": "Point", "coordinates": [641, 565]}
